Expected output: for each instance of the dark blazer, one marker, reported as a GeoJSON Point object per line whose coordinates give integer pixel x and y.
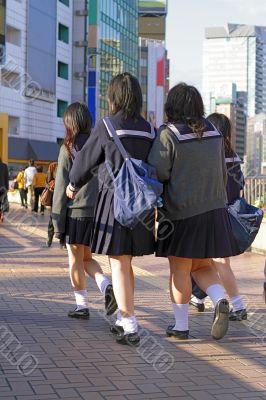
{"type": "Point", "coordinates": [3, 176]}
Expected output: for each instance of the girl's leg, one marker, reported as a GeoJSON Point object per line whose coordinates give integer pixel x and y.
{"type": "Point", "coordinates": [78, 280]}
{"type": "Point", "coordinates": [123, 283]}
{"type": "Point", "coordinates": [21, 197]}
{"type": "Point", "coordinates": [228, 279]}
{"type": "Point", "coordinates": [35, 200]}
{"type": "Point", "coordinates": [180, 293]}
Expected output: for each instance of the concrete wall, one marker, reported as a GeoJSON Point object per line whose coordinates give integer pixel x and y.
{"type": "Point", "coordinates": [259, 244]}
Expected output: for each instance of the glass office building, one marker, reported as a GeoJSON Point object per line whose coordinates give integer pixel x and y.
{"type": "Point", "coordinates": [113, 47]}
{"type": "Point", "coordinates": [235, 54]}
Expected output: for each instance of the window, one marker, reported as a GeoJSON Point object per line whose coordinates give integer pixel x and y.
{"type": "Point", "coordinates": [63, 33]}
{"type": "Point", "coordinates": [61, 106]}
{"type": "Point", "coordinates": [65, 2]}
{"type": "Point", "coordinates": [13, 126]}
{"type": "Point", "coordinates": [13, 35]}
{"type": "Point", "coordinates": [62, 70]}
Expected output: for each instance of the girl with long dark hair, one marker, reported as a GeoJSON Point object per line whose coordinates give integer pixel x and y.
{"type": "Point", "coordinates": [109, 237]}
{"type": "Point", "coordinates": [72, 219]}
{"type": "Point", "coordinates": [188, 154]}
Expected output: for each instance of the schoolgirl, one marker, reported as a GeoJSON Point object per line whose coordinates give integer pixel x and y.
{"type": "Point", "coordinates": [109, 237]}
{"type": "Point", "coordinates": [72, 219]}
{"type": "Point", "coordinates": [188, 154]}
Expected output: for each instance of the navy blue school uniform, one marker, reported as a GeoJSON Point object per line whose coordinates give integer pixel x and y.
{"type": "Point", "coordinates": [109, 237]}
{"type": "Point", "coordinates": [235, 177]}
{"type": "Point", "coordinates": [194, 222]}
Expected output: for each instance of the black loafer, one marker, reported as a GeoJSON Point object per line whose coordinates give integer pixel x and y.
{"type": "Point", "coordinates": [129, 339]}
{"type": "Point", "coordinates": [180, 335]}
{"type": "Point", "coordinates": [110, 301]}
{"type": "Point", "coordinates": [220, 320]}
{"type": "Point", "coordinates": [83, 314]}
{"type": "Point", "coordinates": [240, 315]}
{"type": "Point", "coordinates": [116, 330]}
{"type": "Point", "coordinates": [199, 307]}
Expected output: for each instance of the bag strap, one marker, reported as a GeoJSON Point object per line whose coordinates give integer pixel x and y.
{"type": "Point", "coordinates": [113, 134]}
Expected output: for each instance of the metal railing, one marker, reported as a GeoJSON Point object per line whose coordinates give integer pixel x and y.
{"type": "Point", "coordinates": [255, 190]}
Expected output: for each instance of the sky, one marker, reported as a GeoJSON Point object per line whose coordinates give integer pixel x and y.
{"type": "Point", "coordinates": [185, 26]}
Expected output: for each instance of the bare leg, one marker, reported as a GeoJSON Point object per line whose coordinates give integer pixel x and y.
{"type": "Point", "coordinates": [204, 273]}
{"type": "Point", "coordinates": [180, 279]}
{"type": "Point", "coordinates": [76, 266]}
{"type": "Point", "coordinates": [91, 266]}
{"type": "Point", "coordinates": [227, 276]}
{"type": "Point", "coordinates": [123, 279]}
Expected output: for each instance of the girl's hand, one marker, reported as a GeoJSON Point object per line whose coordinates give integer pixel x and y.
{"type": "Point", "coordinates": [70, 192]}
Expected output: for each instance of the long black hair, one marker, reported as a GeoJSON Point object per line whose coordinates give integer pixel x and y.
{"type": "Point", "coordinates": [223, 124]}
{"type": "Point", "coordinates": [184, 104]}
{"type": "Point", "coordinates": [124, 94]}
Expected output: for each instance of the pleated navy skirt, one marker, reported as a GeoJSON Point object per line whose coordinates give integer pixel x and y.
{"type": "Point", "coordinates": [111, 238]}
{"type": "Point", "coordinates": [79, 231]}
{"type": "Point", "coordinates": [207, 235]}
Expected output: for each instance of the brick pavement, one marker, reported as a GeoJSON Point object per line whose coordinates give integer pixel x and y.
{"type": "Point", "coordinates": [79, 360]}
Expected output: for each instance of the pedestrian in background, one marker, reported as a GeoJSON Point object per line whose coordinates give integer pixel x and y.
{"type": "Point", "coordinates": [109, 236]}
{"type": "Point", "coordinates": [4, 186]}
{"type": "Point", "coordinates": [235, 184]}
{"type": "Point", "coordinates": [38, 183]}
{"type": "Point", "coordinates": [29, 173]}
{"type": "Point", "coordinates": [188, 154]}
{"type": "Point", "coordinates": [21, 188]}
{"type": "Point", "coordinates": [73, 219]}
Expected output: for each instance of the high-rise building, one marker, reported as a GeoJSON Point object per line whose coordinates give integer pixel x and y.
{"type": "Point", "coordinates": [113, 47]}
{"type": "Point", "coordinates": [37, 76]}
{"type": "Point", "coordinates": [235, 54]}
{"type": "Point", "coordinates": [153, 62]}
{"type": "Point", "coordinates": [256, 145]}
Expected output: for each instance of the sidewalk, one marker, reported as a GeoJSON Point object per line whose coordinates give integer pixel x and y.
{"type": "Point", "coordinates": [46, 355]}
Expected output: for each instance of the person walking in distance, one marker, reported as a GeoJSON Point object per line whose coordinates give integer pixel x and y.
{"type": "Point", "coordinates": [29, 173]}
{"type": "Point", "coordinates": [4, 186]}
{"type": "Point", "coordinates": [72, 220]}
{"type": "Point", "coordinates": [21, 187]}
{"type": "Point", "coordinates": [188, 154]}
{"type": "Point", "coordinates": [38, 183]}
{"type": "Point", "coordinates": [120, 243]}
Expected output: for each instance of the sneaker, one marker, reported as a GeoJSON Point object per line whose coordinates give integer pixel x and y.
{"type": "Point", "coordinates": [240, 315]}
{"type": "Point", "coordinates": [180, 335]}
{"type": "Point", "coordinates": [198, 306]}
{"type": "Point", "coordinates": [83, 314]}
{"type": "Point", "coordinates": [110, 301]}
{"type": "Point", "coordinates": [220, 320]}
{"type": "Point", "coordinates": [129, 339]}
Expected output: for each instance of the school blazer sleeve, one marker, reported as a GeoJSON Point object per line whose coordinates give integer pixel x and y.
{"type": "Point", "coordinates": [87, 160]}
{"type": "Point", "coordinates": [161, 155]}
{"type": "Point", "coordinates": [60, 200]}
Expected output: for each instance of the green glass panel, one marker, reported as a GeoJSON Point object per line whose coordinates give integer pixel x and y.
{"type": "Point", "coordinates": [65, 2]}
{"type": "Point", "coordinates": [93, 4]}
{"type": "Point", "coordinates": [63, 33]}
{"type": "Point", "coordinates": [62, 70]}
{"type": "Point", "coordinates": [61, 106]}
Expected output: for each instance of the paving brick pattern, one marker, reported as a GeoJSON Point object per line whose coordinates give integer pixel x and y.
{"type": "Point", "coordinates": [79, 359]}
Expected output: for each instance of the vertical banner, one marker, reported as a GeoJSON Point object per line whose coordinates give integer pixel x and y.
{"type": "Point", "coordinates": [2, 31]}
{"type": "Point", "coordinates": [156, 80]}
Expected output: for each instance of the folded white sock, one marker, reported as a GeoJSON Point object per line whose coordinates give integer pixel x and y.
{"type": "Point", "coordinates": [215, 292]}
{"type": "Point", "coordinates": [129, 325]}
{"type": "Point", "coordinates": [81, 299]}
{"type": "Point", "coordinates": [237, 303]}
{"type": "Point", "coordinates": [181, 316]}
{"type": "Point", "coordinates": [102, 282]}
{"type": "Point", "coordinates": [197, 300]}
{"type": "Point", "coordinates": [118, 318]}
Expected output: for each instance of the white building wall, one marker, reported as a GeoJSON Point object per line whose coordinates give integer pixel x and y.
{"type": "Point", "coordinates": [37, 118]}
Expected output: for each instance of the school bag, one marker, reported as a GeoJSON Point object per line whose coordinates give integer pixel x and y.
{"type": "Point", "coordinates": [245, 221]}
{"type": "Point", "coordinates": [136, 187]}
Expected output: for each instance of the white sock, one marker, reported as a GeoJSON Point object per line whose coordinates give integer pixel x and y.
{"type": "Point", "coordinates": [102, 282]}
{"type": "Point", "coordinates": [81, 299]}
{"type": "Point", "coordinates": [197, 300]}
{"type": "Point", "coordinates": [129, 325]}
{"type": "Point", "coordinates": [237, 303]}
{"type": "Point", "coordinates": [118, 318]}
{"type": "Point", "coordinates": [181, 316]}
{"type": "Point", "coordinates": [215, 292]}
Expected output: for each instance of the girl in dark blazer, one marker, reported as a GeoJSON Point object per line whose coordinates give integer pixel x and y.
{"type": "Point", "coordinates": [109, 237]}
{"type": "Point", "coordinates": [189, 156]}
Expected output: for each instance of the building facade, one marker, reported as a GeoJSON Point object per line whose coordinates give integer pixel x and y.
{"type": "Point", "coordinates": [255, 164]}
{"type": "Point", "coordinates": [37, 76]}
{"type": "Point", "coordinates": [235, 54]}
{"type": "Point", "coordinates": [113, 47]}
{"type": "Point", "coordinates": [153, 61]}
